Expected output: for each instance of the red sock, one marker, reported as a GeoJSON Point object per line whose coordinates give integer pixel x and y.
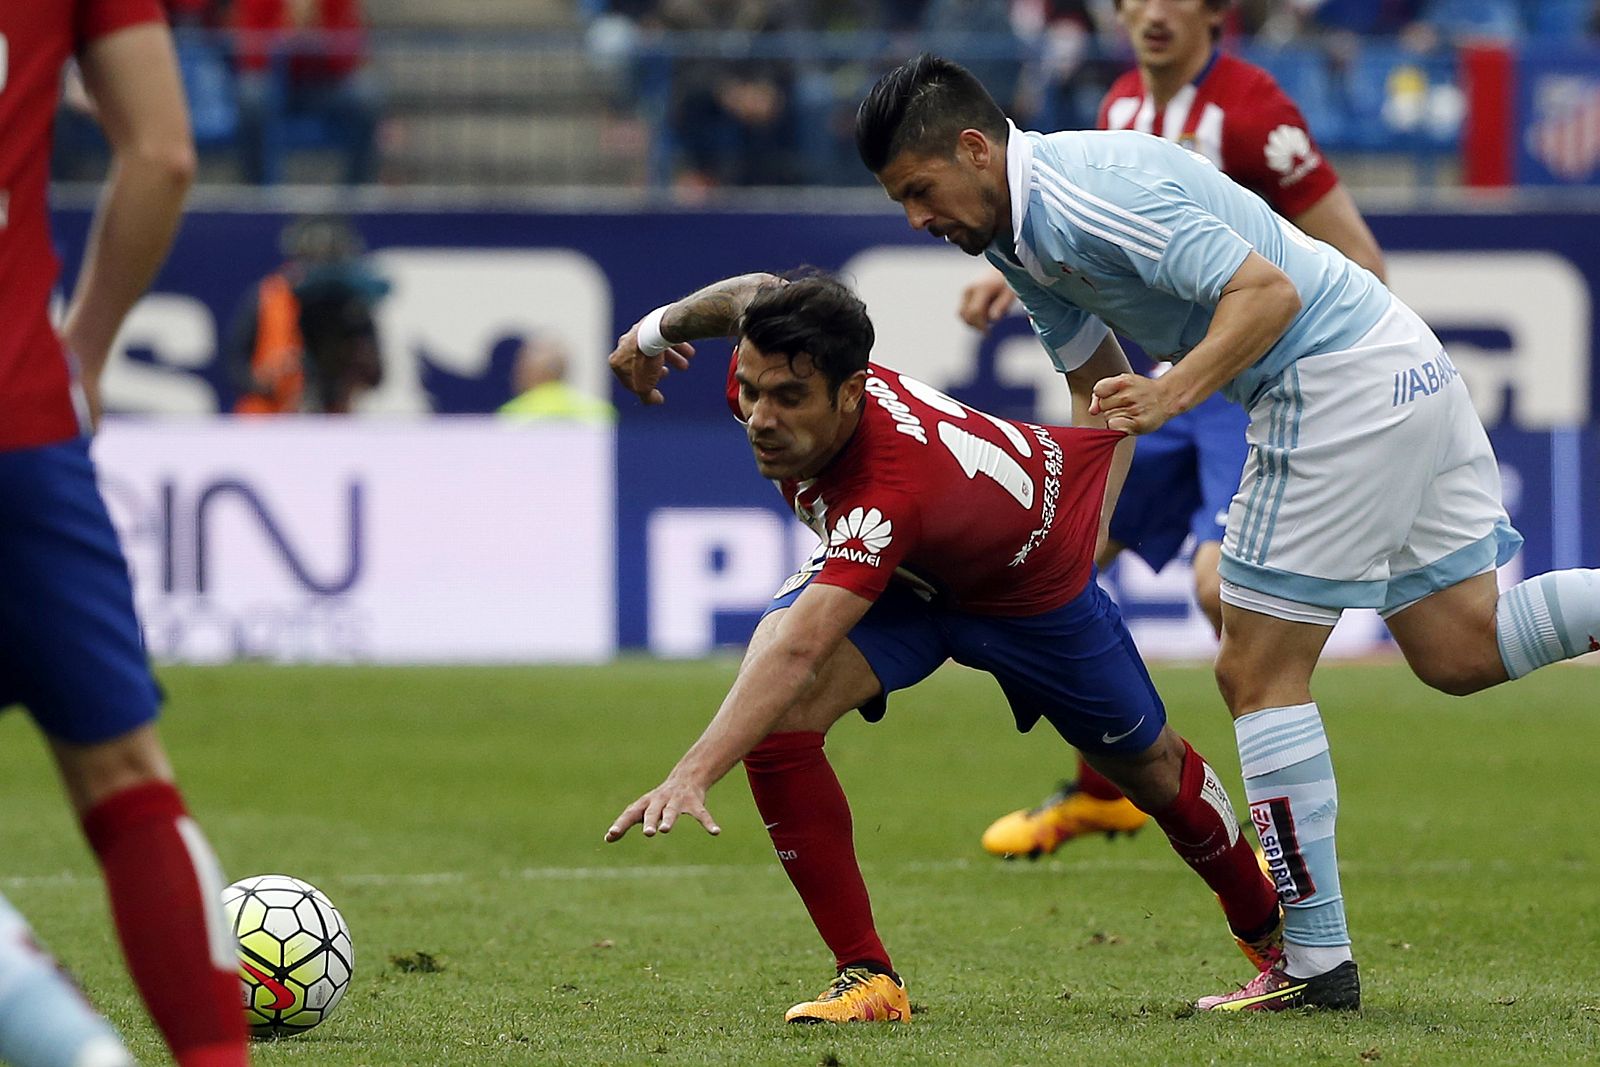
{"type": "Point", "coordinates": [1202, 828]}
{"type": "Point", "coordinates": [805, 810]}
{"type": "Point", "coordinates": [166, 895]}
{"type": "Point", "coordinates": [1094, 783]}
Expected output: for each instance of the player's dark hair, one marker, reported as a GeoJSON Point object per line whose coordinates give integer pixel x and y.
{"type": "Point", "coordinates": [921, 107]}
{"type": "Point", "coordinates": [816, 315]}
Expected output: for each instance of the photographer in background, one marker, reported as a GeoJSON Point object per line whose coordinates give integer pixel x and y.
{"type": "Point", "coordinates": [304, 339]}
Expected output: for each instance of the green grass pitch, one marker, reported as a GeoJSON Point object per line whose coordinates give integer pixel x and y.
{"type": "Point", "coordinates": [455, 816]}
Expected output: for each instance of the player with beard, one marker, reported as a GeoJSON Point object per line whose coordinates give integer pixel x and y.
{"type": "Point", "coordinates": [1186, 89]}
{"type": "Point", "coordinates": [946, 533]}
{"type": "Point", "coordinates": [1370, 482]}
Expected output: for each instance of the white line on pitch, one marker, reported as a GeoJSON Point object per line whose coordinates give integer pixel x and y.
{"type": "Point", "coordinates": [1155, 864]}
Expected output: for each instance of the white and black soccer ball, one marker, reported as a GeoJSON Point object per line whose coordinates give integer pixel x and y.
{"type": "Point", "coordinates": [295, 956]}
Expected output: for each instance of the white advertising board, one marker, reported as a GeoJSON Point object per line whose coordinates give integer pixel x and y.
{"type": "Point", "coordinates": [327, 540]}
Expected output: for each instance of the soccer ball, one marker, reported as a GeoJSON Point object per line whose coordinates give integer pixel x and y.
{"type": "Point", "coordinates": [295, 957]}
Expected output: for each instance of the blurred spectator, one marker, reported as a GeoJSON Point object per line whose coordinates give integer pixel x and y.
{"type": "Point", "coordinates": [1455, 19]}
{"type": "Point", "coordinates": [1422, 23]}
{"type": "Point", "coordinates": [80, 152]}
{"type": "Point", "coordinates": [304, 337]}
{"type": "Point", "coordinates": [1363, 17]}
{"type": "Point", "coordinates": [185, 13]}
{"type": "Point", "coordinates": [1061, 85]}
{"type": "Point", "coordinates": [540, 379]}
{"type": "Point", "coordinates": [827, 90]}
{"type": "Point", "coordinates": [977, 34]}
{"type": "Point", "coordinates": [303, 61]}
{"type": "Point", "coordinates": [734, 120]}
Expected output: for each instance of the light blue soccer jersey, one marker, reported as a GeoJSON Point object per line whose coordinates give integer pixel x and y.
{"type": "Point", "coordinates": [1127, 230]}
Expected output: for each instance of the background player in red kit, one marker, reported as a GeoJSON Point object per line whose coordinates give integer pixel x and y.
{"type": "Point", "coordinates": [945, 533]}
{"type": "Point", "coordinates": [1184, 475]}
{"type": "Point", "coordinates": [70, 648]}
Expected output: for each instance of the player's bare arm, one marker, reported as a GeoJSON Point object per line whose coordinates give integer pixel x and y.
{"type": "Point", "coordinates": [714, 310]}
{"type": "Point", "coordinates": [771, 681]}
{"type": "Point", "coordinates": [132, 77]}
{"type": "Point", "coordinates": [1336, 220]}
{"type": "Point", "coordinates": [1107, 361]}
{"type": "Point", "coordinates": [708, 312]}
{"type": "Point", "coordinates": [1258, 304]}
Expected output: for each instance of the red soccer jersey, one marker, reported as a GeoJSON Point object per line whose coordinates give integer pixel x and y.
{"type": "Point", "coordinates": [1235, 115]}
{"type": "Point", "coordinates": [35, 41]}
{"type": "Point", "coordinates": [998, 517]}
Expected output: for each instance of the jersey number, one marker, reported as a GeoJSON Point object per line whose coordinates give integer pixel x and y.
{"type": "Point", "coordinates": [975, 454]}
{"type": "Point", "coordinates": [978, 456]}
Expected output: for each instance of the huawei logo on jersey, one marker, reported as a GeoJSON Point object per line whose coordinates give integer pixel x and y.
{"type": "Point", "coordinates": [1290, 154]}
{"type": "Point", "coordinates": [860, 536]}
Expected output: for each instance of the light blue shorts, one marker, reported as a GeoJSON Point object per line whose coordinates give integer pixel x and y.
{"type": "Point", "coordinates": [1370, 482]}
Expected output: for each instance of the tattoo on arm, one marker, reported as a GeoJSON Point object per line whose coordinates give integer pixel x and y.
{"type": "Point", "coordinates": [713, 311]}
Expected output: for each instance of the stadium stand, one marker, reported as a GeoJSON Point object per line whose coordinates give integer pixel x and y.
{"type": "Point", "coordinates": [627, 94]}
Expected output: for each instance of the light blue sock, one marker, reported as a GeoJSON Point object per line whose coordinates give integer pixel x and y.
{"type": "Point", "coordinates": [1547, 619]}
{"type": "Point", "coordinates": [1288, 779]}
{"type": "Point", "coordinates": [44, 1021]}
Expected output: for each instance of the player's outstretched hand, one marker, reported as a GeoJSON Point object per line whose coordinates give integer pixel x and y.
{"type": "Point", "coordinates": [1130, 403]}
{"type": "Point", "coordinates": [986, 301]}
{"type": "Point", "coordinates": [640, 374]}
{"type": "Point", "coordinates": [658, 810]}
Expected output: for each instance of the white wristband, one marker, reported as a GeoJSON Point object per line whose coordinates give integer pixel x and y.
{"type": "Point", "coordinates": [651, 342]}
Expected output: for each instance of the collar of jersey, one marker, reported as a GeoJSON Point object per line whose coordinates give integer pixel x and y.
{"type": "Point", "coordinates": [1019, 177]}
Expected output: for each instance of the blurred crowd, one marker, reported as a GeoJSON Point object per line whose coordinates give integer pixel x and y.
{"type": "Point", "coordinates": [761, 92]}
{"type": "Point", "coordinates": [263, 77]}
{"type": "Point", "coordinates": [766, 121]}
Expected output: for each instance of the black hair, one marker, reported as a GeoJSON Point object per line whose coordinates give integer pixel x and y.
{"type": "Point", "coordinates": [815, 314]}
{"type": "Point", "coordinates": [922, 106]}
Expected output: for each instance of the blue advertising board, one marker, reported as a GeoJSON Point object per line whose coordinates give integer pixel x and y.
{"type": "Point", "coordinates": [1485, 280]}
{"type": "Point", "coordinates": [701, 538]}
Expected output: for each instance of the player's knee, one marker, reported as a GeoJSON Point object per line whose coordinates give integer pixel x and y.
{"type": "Point", "coordinates": [1250, 683]}
{"type": "Point", "coordinates": [808, 717]}
{"type": "Point", "coordinates": [1460, 676]}
{"type": "Point", "coordinates": [1459, 661]}
{"type": "Point", "coordinates": [1232, 679]}
{"type": "Point", "coordinates": [1152, 778]}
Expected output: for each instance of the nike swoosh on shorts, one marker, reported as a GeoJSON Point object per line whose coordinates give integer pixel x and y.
{"type": "Point", "coordinates": [1107, 739]}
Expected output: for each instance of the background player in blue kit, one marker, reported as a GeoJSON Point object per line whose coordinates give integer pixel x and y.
{"type": "Point", "coordinates": [1184, 474]}
{"type": "Point", "coordinates": [1370, 481]}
